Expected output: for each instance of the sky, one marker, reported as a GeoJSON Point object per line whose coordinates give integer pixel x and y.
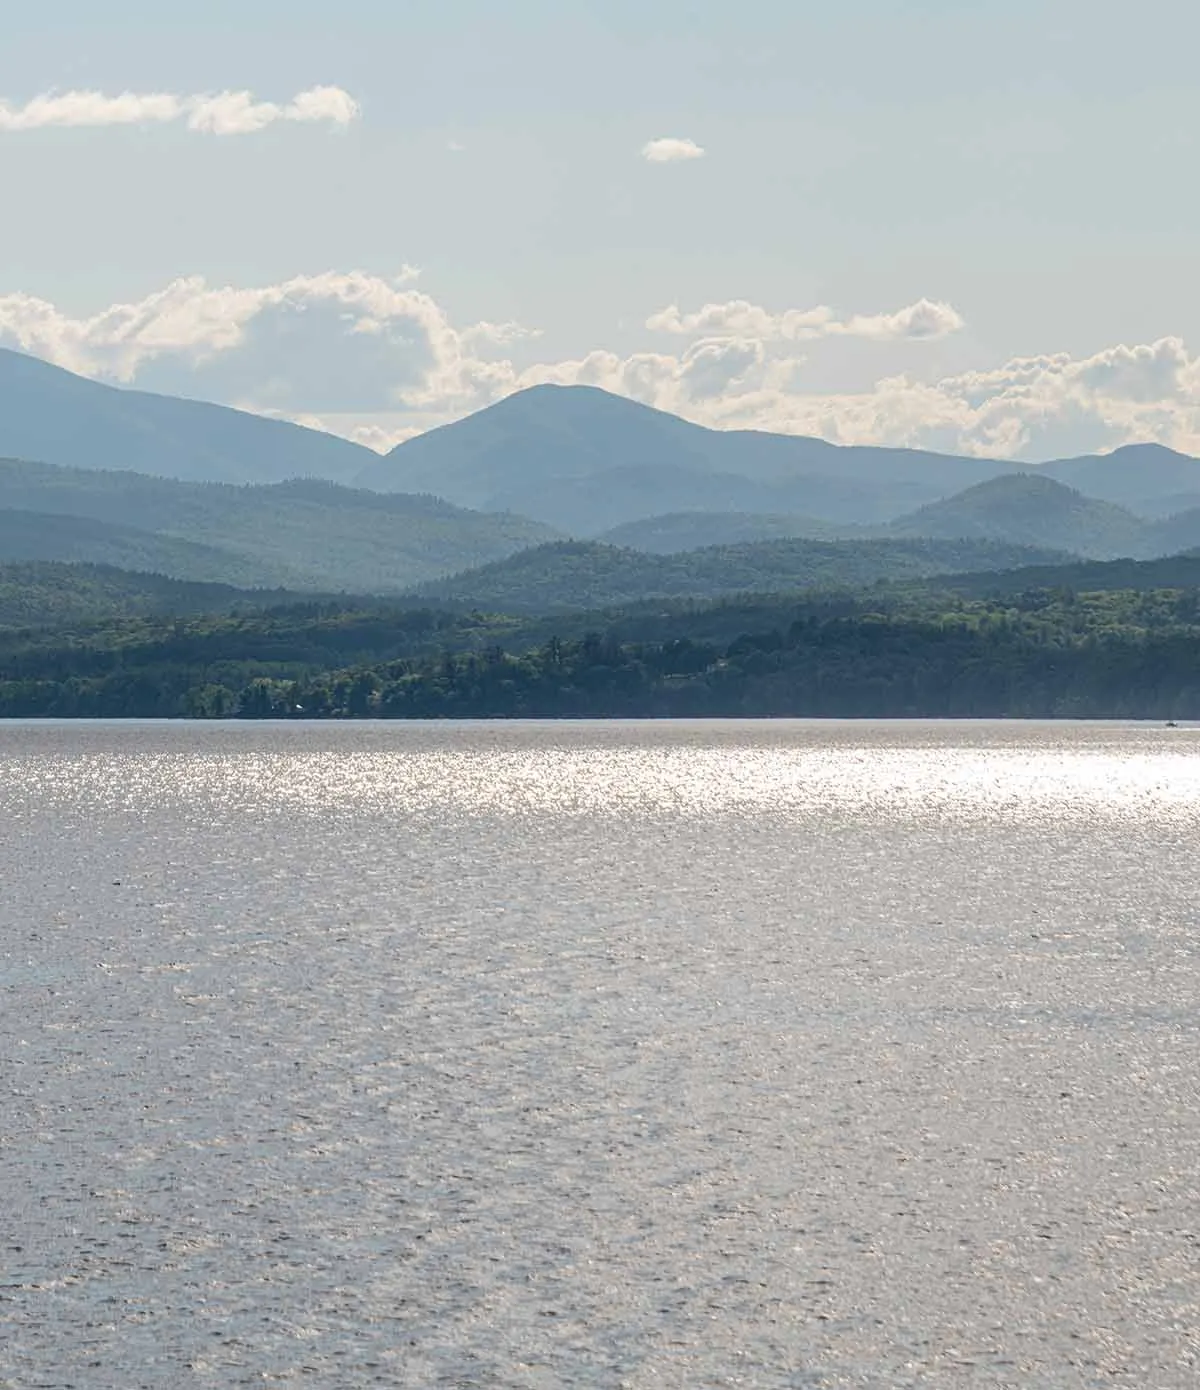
{"type": "Point", "coordinates": [968, 227]}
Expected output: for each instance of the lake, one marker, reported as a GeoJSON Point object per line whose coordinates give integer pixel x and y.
{"type": "Point", "coordinates": [731, 1054]}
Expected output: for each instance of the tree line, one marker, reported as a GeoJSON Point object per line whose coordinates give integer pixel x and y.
{"type": "Point", "coordinates": [1043, 653]}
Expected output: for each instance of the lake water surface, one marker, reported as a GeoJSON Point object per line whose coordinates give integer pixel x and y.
{"type": "Point", "coordinates": [615, 1055]}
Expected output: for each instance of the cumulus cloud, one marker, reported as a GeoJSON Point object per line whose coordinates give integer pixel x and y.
{"type": "Point", "coordinates": [1037, 407]}
{"type": "Point", "coordinates": [379, 359]}
{"type": "Point", "coordinates": [218, 113]}
{"type": "Point", "coordinates": [1032, 407]}
{"type": "Point", "coordinates": [924, 319]}
{"type": "Point", "coordinates": [336, 341]}
{"type": "Point", "coordinates": [670, 149]}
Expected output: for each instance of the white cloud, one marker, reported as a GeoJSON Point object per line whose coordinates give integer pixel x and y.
{"type": "Point", "coordinates": [379, 359]}
{"type": "Point", "coordinates": [924, 319]}
{"type": "Point", "coordinates": [219, 113]}
{"type": "Point", "coordinates": [1029, 407]}
{"type": "Point", "coordinates": [329, 342]}
{"type": "Point", "coordinates": [670, 149]}
{"type": "Point", "coordinates": [91, 109]}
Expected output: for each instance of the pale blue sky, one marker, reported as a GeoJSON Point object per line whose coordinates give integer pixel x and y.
{"type": "Point", "coordinates": [1030, 165]}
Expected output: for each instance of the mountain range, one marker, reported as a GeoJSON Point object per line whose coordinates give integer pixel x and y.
{"type": "Point", "coordinates": [203, 493]}
{"type": "Point", "coordinates": [303, 534]}
{"type": "Point", "coordinates": [577, 458]}
{"type": "Point", "coordinates": [49, 415]}
{"type": "Point", "coordinates": [586, 461]}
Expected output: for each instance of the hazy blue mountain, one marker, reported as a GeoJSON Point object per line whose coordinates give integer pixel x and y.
{"type": "Point", "coordinates": [27, 536]}
{"type": "Point", "coordinates": [584, 574]}
{"type": "Point", "coordinates": [543, 434]}
{"type": "Point", "coordinates": [585, 460]}
{"type": "Point", "coordinates": [54, 416]}
{"type": "Point", "coordinates": [591, 506]}
{"type": "Point", "coordinates": [1147, 478]}
{"type": "Point", "coordinates": [297, 535]}
{"type": "Point", "coordinates": [1180, 532]}
{"type": "Point", "coordinates": [675, 531]}
{"type": "Point", "coordinates": [1171, 504]}
{"type": "Point", "coordinates": [575, 457]}
{"type": "Point", "coordinates": [1031, 509]}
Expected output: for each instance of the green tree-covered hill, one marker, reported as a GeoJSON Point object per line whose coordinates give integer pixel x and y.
{"type": "Point", "coordinates": [584, 574]}
{"type": "Point", "coordinates": [1027, 509]}
{"type": "Point", "coordinates": [298, 534]}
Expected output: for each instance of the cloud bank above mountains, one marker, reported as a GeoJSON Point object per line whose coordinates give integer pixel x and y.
{"type": "Point", "coordinates": [212, 113]}
{"type": "Point", "coordinates": [379, 359]}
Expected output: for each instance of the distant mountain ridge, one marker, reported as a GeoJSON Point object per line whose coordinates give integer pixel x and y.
{"type": "Point", "coordinates": [1149, 479]}
{"type": "Point", "coordinates": [1016, 508]}
{"type": "Point", "coordinates": [586, 461]}
{"type": "Point", "coordinates": [202, 492]}
{"type": "Point", "coordinates": [303, 534]}
{"type": "Point", "coordinates": [27, 536]}
{"type": "Point", "coordinates": [51, 415]}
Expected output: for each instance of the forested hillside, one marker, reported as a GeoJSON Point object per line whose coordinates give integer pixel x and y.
{"type": "Point", "coordinates": [303, 534]}
{"type": "Point", "coordinates": [1027, 509]}
{"type": "Point", "coordinates": [1041, 652]}
{"type": "Point", "coordinates": [583, 574]}
{"type": "Point", "coordinates": [673, 532]}
{"type": "Point", "coordinates": [55, 595]}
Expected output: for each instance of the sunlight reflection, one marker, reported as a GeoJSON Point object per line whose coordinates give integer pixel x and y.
{"type": "Point", "coordinates": [651, 771]}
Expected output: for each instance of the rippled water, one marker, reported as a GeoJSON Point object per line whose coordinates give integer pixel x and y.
{"type": "Point", "coordinates": [645, 1055]}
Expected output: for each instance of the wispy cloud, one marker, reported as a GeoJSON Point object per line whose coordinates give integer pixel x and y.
{"type": "Point", "coordinates": [670, 149]}
{"type": "Point", "coordinates": [212, 113]}
{"type": "Point", "coordinates": [925, 319]}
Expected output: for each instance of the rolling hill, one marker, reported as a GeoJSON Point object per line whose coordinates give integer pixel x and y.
{"type": "Point", "coordinates": [573, 575]}
{"type": "Point", "coordinates": [1032, 509]}
{"type": "Point", "coordinates": [1029, 509]}
{"type": "Point", "coordinates": [45, 594]}
{"type": "Point", "coordinates": [675, 531]}
{"type": "Point", "coordinates": [31, 536]}
{"type": "Point", "coordinates": [54, 416]}
{"type": "Point", "coordinates": [1079, 576]}
{"type": "Point", "coordinates": [298, 535]}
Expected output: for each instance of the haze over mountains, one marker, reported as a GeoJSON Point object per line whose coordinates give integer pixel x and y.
{"type": "Point", "coordinates": [304, 534]}
{"type": "Point", "coordinates": [586, 461]}
{"type": "Point", "coordinates": [49, 415]}
{"type": "Point", "coordinates": [198, 492]}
